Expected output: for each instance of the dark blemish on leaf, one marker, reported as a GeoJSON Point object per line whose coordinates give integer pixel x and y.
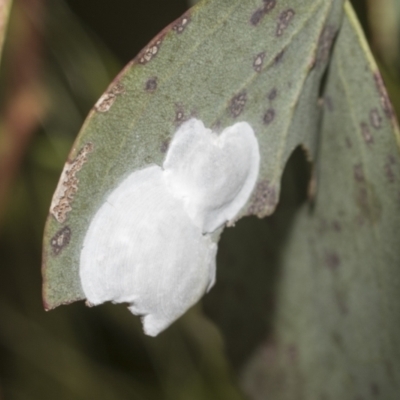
{"type": "Point", "coordinates": [217, 126]}
{"type": "Point", "coordinates": [165, 145]}
{"type": "Point", "coordinates": [269, 4]}
{"type": "Point", "coordinates": [68, 184]}
{"type": "Point", "coordinates": [375, 118]}
{"type": "Point", "coordinates": [375, 390]}
{"type": "Point", "coordinates": [257, 16]}
{"type": "Point", "coordinates": [181, 25]}
{"type": "Point", "coordinates": [264, 200]}
{"type": "Point", "coordinates": [312, 184]}
{"type": "Point", "coordinates": [179, 114]}
{"type": "Point", "coordinates": [272, 94]}
{"type": "Point", "coordinates": [269, 116]}
{"type": "Point", "coordinates": [151, 84]}
{"type": "Point", "coordinates": [349, 144]}
{"type": "Point", "coordinates": [367, 201]}
{"type": "Point", "coordinates": [366, 133]}
{"type": "Point", "coordinates": [279, 57]}
{"type": "Point", "coordinates": [60, 240]}
{"type": "Point", "coordinates": [359, 173]}
{"type": "Point", "coordinates": [260, 13]}
{"type": "Point", "coordinates": [325, 44]}
{"type": "Point", "coordinates": [336, 226]}
{"type": "Point", "coordinates": [238, 103]}
{"type": "Point", "coordinates": [332, 260]}
{"type": "Point", "coordinates": [108, 98]}
{"type": "Point", "coordinates": [285, 18]}
{"type": "Point", "coordinates": [337, 338]}
{"type": "Point", "coordinates": [150, 52]}
{"type": "Point", "coordinates": [385, 101]}
{"type": "Point", "coordinates": [389, 169]}
{"type": "Point", "coordinates": [258, 61]}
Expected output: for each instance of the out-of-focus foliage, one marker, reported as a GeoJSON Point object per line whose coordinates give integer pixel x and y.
{"type": "Point", "coordinates": [5, 6]}
{"type": "Point", "coordinates": [75, 352]}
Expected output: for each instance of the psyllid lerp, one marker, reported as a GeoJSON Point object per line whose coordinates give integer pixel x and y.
{"type": "Point", "coordinates": [150, 243]}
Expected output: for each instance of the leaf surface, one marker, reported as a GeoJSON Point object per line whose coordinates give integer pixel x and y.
{"type": "Point", "coordinates": [222, 62]}
{"type": "Point", "coordinates": [331, 328]}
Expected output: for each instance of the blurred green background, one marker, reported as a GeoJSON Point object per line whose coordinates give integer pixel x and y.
{"type": "Point", "coordinates": [59, 57]}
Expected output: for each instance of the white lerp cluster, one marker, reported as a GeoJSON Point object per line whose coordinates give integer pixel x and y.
{"type": "Point", "coordinates": [149, 245]}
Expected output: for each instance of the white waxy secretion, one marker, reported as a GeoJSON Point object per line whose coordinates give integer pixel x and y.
{"type": "Point", "coordinates": [149, 244]}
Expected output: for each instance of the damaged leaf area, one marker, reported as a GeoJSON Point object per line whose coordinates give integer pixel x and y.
{"type": "Point", "coordinates": [68, 185]}
{"type": "Point", "coordinates": [223, 62]}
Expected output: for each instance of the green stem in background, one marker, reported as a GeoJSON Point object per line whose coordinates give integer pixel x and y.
{"type": "Point", "coordinates": [25, 96]}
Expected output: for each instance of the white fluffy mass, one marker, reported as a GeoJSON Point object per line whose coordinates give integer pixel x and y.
{"type": "Point", "coordinates": [149, 245]}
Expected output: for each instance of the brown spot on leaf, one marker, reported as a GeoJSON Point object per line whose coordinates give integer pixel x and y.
{"type": "Point", "coordinates": [151, 84]}
{"type": "Point", "coordinates": [279, 57]}
{"type": "Point", "coordinates": [366, 133]}
{"type": "Point", "coordinates": [260, 13]}
{"type": "Point", "coordinates": [338, 340]}
{"type": "Point", "coordinates": [389, 169]}
{"type": "Point", "coordinates": [375, 118]}
{"type": "Point", "coordinates": [60, 240]}
{"type": "Point", "coordinates": [258, 61]}
{"type": "Point", "coordinates": [332, 260]}
{"type": "Point", "coordinates": [336, 226]}
{"type": "Point", "coordinates": [285, 17]}
{"type": "Point", "coordinates": [375, 390]}
{"type": "Point", "coordinates": [68, 185]}
{"type": "Point", "coordinates": [179, 114]}
{"type": "Point", "coordinates": [108, 98]}
{"type": "Point", "coordinates": [165, 145]}
{"type": "Point", "coordinates": [359, 173]}
{"type": "Point", "coordinates": [325, 44]}
{"type": "Point", "coordinates": [264, 200]}
{"type": "Point", "coordinates": [150, 51]}
{"type": "Point", "coordinates": [349, 143]}
{"type": "Point", "coordinates": [367, 200]}
{"type": "Point", "coordinates": [238, 103]}
{"type": "Point", "coordinates": [181, 24]}
{"type": "Point", "coordinates": [269, 116]}
{"type": "Point", "coordinates": [272, 94]}
{"type": "Point", "coordinates": [385, 101]}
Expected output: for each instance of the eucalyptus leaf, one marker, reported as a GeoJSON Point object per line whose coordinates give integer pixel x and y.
{"type": "Point", "coordinates": [222, 62]}
{"type": "Point", "coordinates": [328, 328]}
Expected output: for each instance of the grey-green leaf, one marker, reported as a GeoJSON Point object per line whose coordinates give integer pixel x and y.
{"type": "Point", "coordinates": [333, 330]}
{"type": "Point", "coordinates": [223, 61]}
